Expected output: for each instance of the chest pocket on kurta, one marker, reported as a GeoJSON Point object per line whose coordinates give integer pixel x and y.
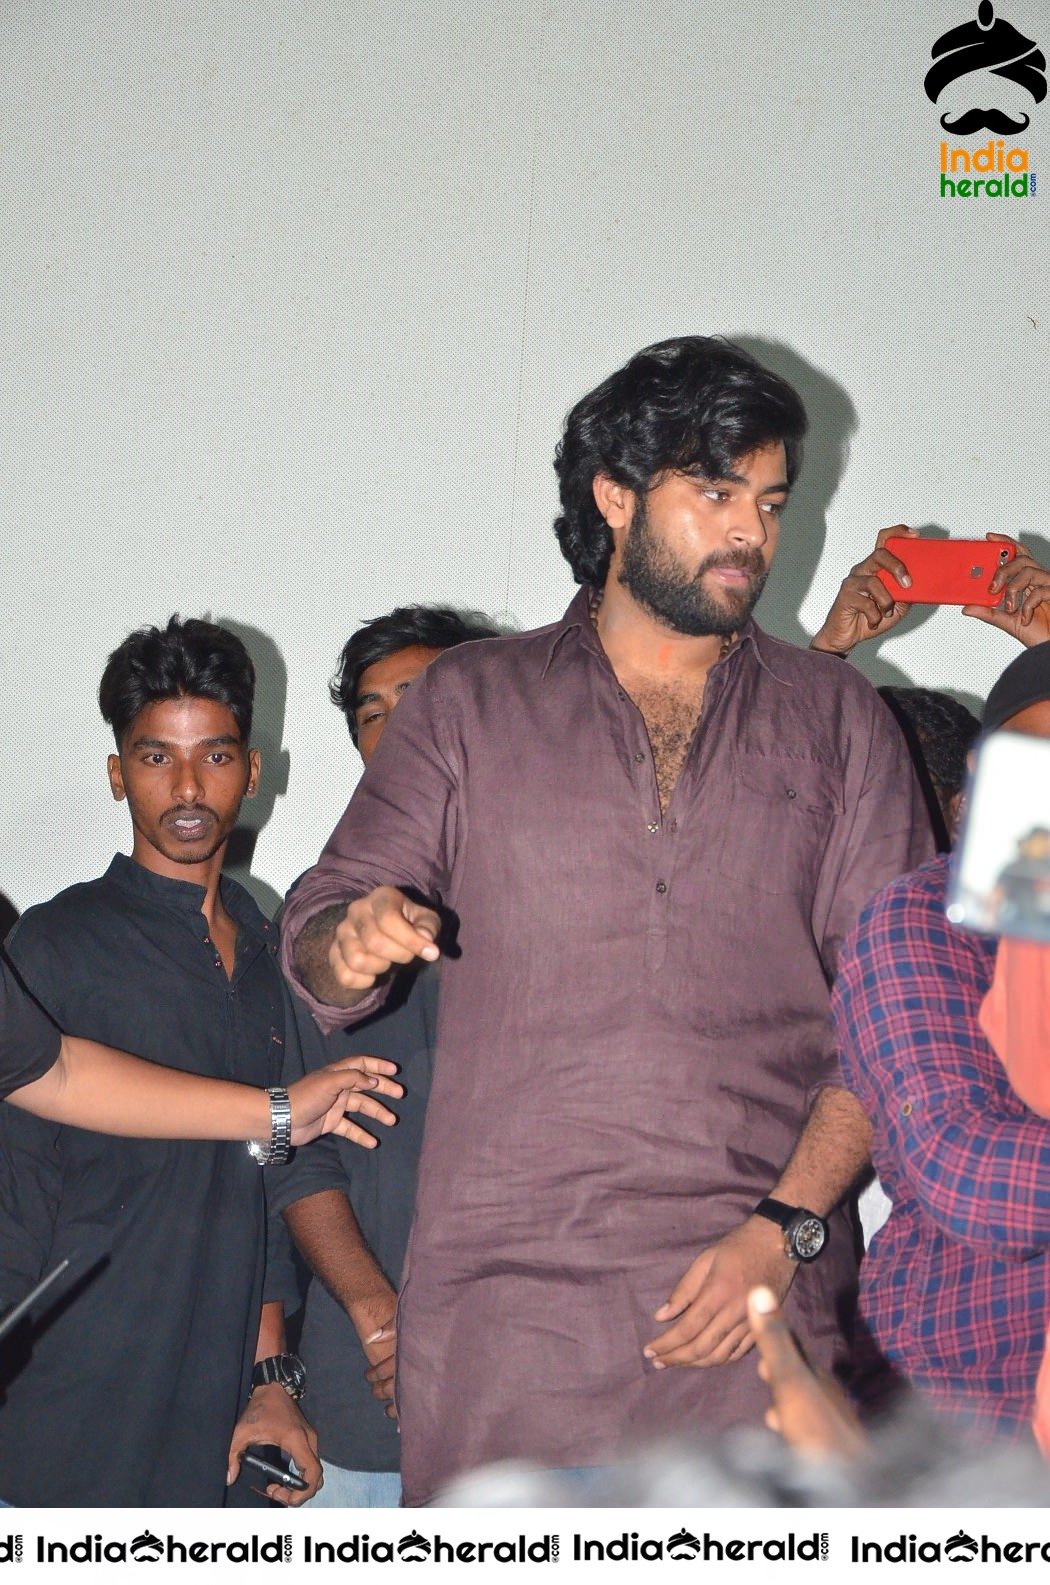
{"type": "Point", "coordinates": [782, 815]}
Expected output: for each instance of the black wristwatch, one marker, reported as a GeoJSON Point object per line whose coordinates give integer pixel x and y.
{"type": "Point", "coordinates": [281, 1370]}
{"type": "Point", "coordinates": [805, 1233]}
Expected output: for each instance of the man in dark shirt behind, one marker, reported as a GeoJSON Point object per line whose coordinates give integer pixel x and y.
{"type": "Point", "coordinates": [350, 1212]}
{"type": "Point", "coordinates": [134, 1385]}
{"type": "Point", "coordinates": [654, 824]}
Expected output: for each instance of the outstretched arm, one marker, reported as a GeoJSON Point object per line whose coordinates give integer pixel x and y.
{"type": "Point", "coordinates": [93, 1086]}
{"type": "Point", "coordinates": [361, 911]}
{"type": "Point", "coordinates": [341, 952]}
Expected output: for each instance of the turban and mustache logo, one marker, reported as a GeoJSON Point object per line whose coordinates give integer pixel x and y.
{"type": "Point", "coordinates": [989, 44]}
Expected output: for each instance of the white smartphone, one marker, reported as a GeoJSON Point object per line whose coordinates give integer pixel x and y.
{"type": "Point", "coordinates": [1001, 866]}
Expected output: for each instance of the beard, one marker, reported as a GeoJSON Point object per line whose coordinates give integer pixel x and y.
{"type": "Point", "coordinates": [677, 597]}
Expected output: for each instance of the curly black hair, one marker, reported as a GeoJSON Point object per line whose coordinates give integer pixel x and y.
{"type": "Point", "coordinates": [194, 659]}
{"type": "Point", "coordinates": [939, 732]}
{"type": "Point", "coordinates": [432, 626]}
{"type": "Point", "coordinates": [693, 404]}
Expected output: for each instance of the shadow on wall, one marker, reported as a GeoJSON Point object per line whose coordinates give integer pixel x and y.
{"type": "Point", "coordinates": [832, 425]}
{"type": "Point", "coordinates": [271, 700]}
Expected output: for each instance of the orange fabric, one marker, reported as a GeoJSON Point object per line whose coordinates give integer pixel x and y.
{"type": "Point", "coordinates": [1041, 1412]}
{"type": "Point", "coordinates": [1015, 1015]}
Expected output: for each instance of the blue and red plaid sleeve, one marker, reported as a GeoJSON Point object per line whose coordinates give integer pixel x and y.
{"type": "Point", "coordinates": [949, 1132]}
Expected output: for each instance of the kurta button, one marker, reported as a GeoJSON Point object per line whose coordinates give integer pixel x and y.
{"type": "Point", "coordinates": [792, 793]}
{"type": "Point", "coordinates": [638, 758]}
{"type": "Point", "coordinates": [661, 887]}
{"type": "Point", "coordinates": [621, 694]}
{"type": "Point", "coordinates": [906, 1109]}
{"type": "Point", "coordinates": [652, 826]}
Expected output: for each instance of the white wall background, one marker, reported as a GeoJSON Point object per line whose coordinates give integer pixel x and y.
{"type": "Point", "coordinates": [296, 298]}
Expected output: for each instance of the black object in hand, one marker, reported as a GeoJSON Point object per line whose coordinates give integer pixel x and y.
{"type": "Point", "coordinates": [268, 1466]}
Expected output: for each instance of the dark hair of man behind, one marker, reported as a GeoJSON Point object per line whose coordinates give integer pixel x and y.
{"type": "Point", "coordinates": [430, 626]}
{"type": "Point", "coordinates": [697, 404]}
{"type": "Point", "coordinates": [192, 659]}
{"type": "Point", "coordinates": [939, 732]}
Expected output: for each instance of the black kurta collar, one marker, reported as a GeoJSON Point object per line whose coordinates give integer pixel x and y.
{"type": "Point", "coordinates": [184, 897]}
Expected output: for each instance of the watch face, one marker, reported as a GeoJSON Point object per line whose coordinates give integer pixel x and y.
{"type": "Point", "coordinates": [293, 1374]}
{"type": "Point", "coordinates": [809, 1237]}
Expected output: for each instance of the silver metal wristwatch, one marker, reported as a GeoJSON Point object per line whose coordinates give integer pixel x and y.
{"type": "Point", "coordinates": [276, 1150]}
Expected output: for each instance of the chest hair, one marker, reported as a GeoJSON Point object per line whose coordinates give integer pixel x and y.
{"type": "Point", "coordinates": [670, 712]}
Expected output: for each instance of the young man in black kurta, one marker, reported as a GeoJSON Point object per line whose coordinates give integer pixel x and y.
{"type": "Point", "coordinates": [134, 1385]}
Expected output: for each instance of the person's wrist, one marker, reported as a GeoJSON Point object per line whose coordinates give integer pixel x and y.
{"type": "Point", "coordinates": [273, 1151]}
{"type": "Point", "coordinates": [803, 1233]}
{"type": "Point", "coordinates": [768, 1233]}
{"type": "Point", "coordinates": [283, 1373]}
{"type": "Point", "coordinates": [372, 1313]}
{"type": "Point", "coordinates": [824, 646]}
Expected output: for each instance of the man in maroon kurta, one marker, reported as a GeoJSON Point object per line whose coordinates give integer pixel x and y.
{"type": "Point", "coordinates": [653, 825]}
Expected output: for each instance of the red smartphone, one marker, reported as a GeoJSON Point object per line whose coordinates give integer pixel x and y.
{"type": "Point", "coordinates": [948, 571]}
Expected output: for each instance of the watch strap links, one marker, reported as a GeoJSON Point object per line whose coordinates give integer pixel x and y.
{"type": "Point", "coordinates": [275, 1153]}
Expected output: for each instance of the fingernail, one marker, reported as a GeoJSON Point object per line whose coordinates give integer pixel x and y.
{"type": "Point", "coordinates": [658, 1364]}
{"type": "Point", "coordinates": [763, 1299]}
{"type": "Point", "coordinates": [430, 953]}
{"type": "Point", "coordinates": [905, 581]}
{"type": "Point", "coordinates": [375, 1336]}
{"type": "Point", "coordinates": [648, 1353]}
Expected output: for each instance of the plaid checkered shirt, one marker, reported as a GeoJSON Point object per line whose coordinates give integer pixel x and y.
{"type": "Point", "coordinates": [955, 1289]}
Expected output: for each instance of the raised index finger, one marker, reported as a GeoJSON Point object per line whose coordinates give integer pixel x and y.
{"type": "Point", "coordinates": [775, 1339]}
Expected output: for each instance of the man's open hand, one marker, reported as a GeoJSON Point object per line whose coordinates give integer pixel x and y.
{"type": "Point", "coordinates": [379, 932]}
{"type": "Point", "coordinates": [320, 1100]}
{"type": "Point", "coordinates": [864, 607]}
{"type": "Point", "coordinates": [709, 1306]}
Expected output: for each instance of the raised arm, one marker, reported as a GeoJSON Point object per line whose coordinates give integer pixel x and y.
{"type": "Point", "coordinates": [365, 906]}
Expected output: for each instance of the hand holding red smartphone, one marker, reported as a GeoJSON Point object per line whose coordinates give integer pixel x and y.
{"type": "Point", "coordinates": [949, 571]}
